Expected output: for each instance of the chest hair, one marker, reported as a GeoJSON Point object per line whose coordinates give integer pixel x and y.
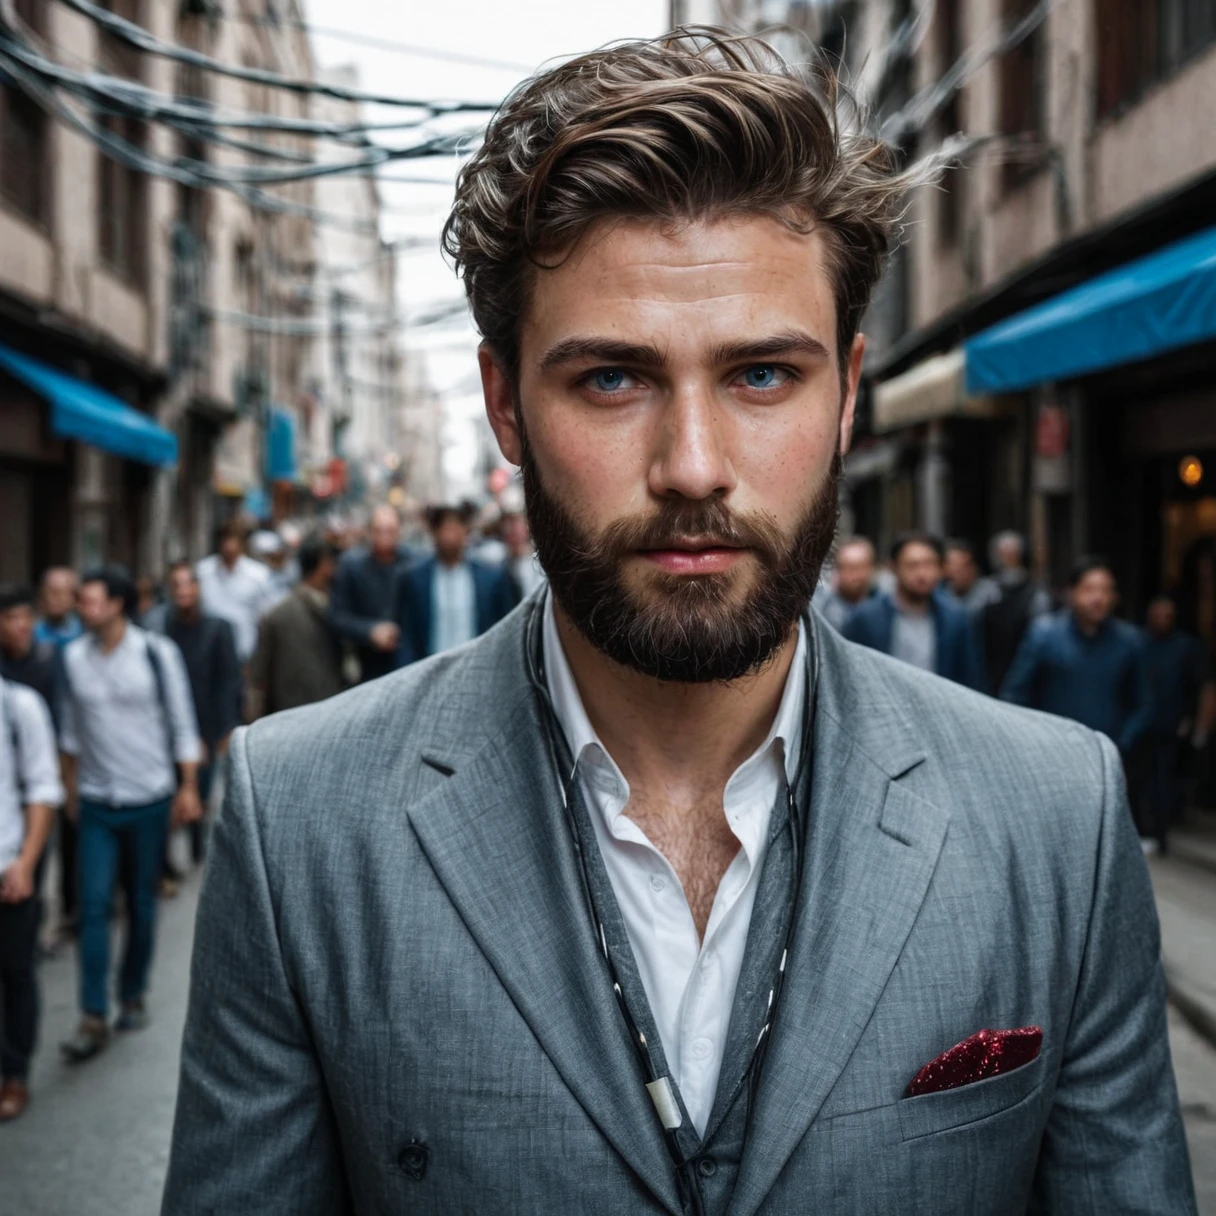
{"type": "Point", "coordinates": [696, 840]}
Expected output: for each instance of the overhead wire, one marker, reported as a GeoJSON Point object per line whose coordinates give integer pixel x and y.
{"type": "Point", "coordinates": [375, 42]}
{"type": "Point", "coordinates": [143, 40]}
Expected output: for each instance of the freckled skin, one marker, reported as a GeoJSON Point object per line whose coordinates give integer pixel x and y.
{"type": "Point", "coordinates": [612, 438]}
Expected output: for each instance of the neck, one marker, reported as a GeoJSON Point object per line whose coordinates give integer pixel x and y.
{"type": "Point", "coordinates": [668, 737]}
{"type": "Point", "coordinates": [1088, 628]}
{"type": "Point", "coordinates": [57, 621]}
{"type": "Point", "coordinates": [16, 652]}
{"type": "Point", "coordinates": [384, 556]}
{"type": "Point", "coordinates": [230, 562]}
{"type": "Point", "coordinates": [320, 587]}
{"type": "Point", "coordinates": [451, 561]}
{"type": "Point", "coordinates": [917, 605]}
{"type": "Point", "coordinates": [189, 615]}
{"type": "Point", "coordinates": [110, 635]}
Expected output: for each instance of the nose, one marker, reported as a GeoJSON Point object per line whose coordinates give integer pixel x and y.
{"type": "Point", "coordinates": [692, 448]}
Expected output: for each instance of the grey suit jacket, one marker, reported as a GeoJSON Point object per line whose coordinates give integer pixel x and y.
{"type": "Point", "coordinates": [397, 1004]}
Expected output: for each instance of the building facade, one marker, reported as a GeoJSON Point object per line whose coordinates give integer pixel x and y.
{"type": "Point", "coordinates": [359, 428]}
{"type": "Point", "coordinates": [1088, 181]}
{"type": "Point", "coordinates": [137, 302]}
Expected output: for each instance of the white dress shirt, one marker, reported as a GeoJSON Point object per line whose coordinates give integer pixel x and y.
{"type": "Point", "coordinates": [690, 985]}
{"type": "Point", "coordinates": [453, 607]}
{"type": "Point", "coordinates": [239, 595]}
{"type": "Point", "coordinates": [29, 772]}
{"type": "Point", "coordinates": [113, 722]}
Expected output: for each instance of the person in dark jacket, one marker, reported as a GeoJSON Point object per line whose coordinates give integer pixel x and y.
{"type": "Point", "coordinates": [1019, 601]}
{"type": "Point", "coordinates": [298, 660]}
{"type": "Point", "coordinates": [361, 601]}
{"type": "Point", "coordinates": [24, 659]}
{"type": "Point", "coordinates": [449, 599]}
{"type": "Point", "coordinates": [209, 651]}
{"type": "Point", "coordinates": [1175, 668]}
{"type": "Point", "coordinates": [1084, 664]}
{"type": "Point", "coordinates": [917, 623]}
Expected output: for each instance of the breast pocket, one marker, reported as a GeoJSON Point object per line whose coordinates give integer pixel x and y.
{"type": "Point", "coordinates": [969, 1104]}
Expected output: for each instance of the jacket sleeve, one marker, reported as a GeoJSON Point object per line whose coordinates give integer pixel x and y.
{"type": "Point", "coordinates": [341, 614]}
{"type": "Point", "coordinates": [227, 678]}
{"type": "Point", "coordinates": [1114, 1140]}
{"type": "Point", "coordinates": [401, 615]}
{"type": "Point", "coordinates": [1139, 705]}
{"type": "Point", "coordinates": [1019, 684]}
{"type": "Point", "coordinates": [254, 1130]}
{"type": "Point", "coordinates": [856, 627]}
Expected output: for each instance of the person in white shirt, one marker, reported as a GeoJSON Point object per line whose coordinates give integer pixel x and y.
{"type": "Point", "coordinates": [29, 793]}
{"type": "Point", "coordinates": [131, 753]}
{"type": "Point", "coordinates": [236, 588]}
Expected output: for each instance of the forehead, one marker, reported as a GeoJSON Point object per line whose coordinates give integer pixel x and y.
{"type": "Point", "coordinates": [684, 286]}
{"type": "Point", "coordinates": [917, 551]}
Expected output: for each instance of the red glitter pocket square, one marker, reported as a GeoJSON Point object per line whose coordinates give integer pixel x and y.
{"type": "Point", "coordinates": [983, 1055]}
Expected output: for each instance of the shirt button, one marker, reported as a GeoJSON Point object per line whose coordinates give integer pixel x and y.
{"type": "Point", "coordinates": [701, 1048]}
{"type": "Point", "coordinates": [657, 882]}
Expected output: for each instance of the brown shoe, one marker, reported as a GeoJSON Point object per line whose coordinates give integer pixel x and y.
{"type": "Point", "coordinates": [92, 1035]}
{"type": "Point", "coordinates": [14, 1095]}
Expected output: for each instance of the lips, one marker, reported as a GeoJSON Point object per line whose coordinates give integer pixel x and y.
{"type": "Point", "coordinates": [701, 559]}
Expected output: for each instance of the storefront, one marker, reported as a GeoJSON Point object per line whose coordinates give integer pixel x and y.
{"type": "Point", "coordinates": [1123, 368]}
{"type": "Point", "coordinates": [75, 469]}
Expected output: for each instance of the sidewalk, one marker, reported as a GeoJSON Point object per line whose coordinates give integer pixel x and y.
{"type": "Point", "coordinates": [1185, 886]}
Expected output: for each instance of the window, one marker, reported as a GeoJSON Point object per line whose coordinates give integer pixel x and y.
{"type": "Point", "coordinates": [948, 29]}
{"type": "Point", "coordinates": [122, 213]}
{"type": "Point", "coordinates": [122, 206]}
{"type": "Point", "coordinates": [117, 55]}
{"type": "Point", "coordinates": [1021, 95]}
{"type": "Point", "coordinates": [24, 155]}
{"type": "Point", "coordinates": [25, 138]}
{"type": "Point", "coordinates": [1143, 41]}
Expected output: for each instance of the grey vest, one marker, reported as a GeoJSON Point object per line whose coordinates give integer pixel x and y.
{"type": "Point", "coordinates": [715, 1158]}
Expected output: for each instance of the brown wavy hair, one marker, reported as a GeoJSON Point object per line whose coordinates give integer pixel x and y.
{"type": "Point", "coordinates": [697, 124]}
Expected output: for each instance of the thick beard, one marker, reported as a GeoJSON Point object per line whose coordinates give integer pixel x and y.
{"type": "Point", "coordinates": [684, 629]}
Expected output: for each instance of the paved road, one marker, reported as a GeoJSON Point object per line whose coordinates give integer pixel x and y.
{"type": "Point", "coordinates": [95, 1139]}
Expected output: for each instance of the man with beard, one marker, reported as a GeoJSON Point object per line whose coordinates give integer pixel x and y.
{"type": "Point", "coordinates": [657, 898]}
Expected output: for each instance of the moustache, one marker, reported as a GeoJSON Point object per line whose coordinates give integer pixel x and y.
{"type": "Point", "coordinates": [680, 524]}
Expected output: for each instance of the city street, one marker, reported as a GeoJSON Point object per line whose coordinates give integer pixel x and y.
{"type": "Point", "coordinates": [95, 1139]}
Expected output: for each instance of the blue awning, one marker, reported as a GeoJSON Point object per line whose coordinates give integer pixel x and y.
{"type": "Point", "coordinates": [85, 412]}
{"type": "Point", "coordinates": [280, 445]}
{"type": "Point", "coordinates": [1147, 307]}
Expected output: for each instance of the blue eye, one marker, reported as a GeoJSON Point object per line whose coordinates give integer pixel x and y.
{"type": "Point", "coordinates": [763, 375]}
{"type": "Point", "coordinates": [608, 379]}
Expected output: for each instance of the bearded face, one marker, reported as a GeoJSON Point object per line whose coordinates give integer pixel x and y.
{"type": "Point", "coordinates": [685, 627]}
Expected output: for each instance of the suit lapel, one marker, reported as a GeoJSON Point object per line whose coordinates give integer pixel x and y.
{"type": "Point", "coordinates": [871, 851]}
{"type": "Point", "coordinates": [496, 836]}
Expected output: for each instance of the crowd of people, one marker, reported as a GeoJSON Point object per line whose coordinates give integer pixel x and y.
{"type": "Point", "coordinates": [119, 696]}
{"type": "Point", "coordinates": [1149, 689]}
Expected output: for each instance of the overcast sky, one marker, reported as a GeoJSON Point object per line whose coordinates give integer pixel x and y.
{"type": "Point", "coordinates": [521, 35]}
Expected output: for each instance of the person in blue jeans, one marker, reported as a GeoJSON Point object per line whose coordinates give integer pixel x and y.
{"type": "Point", "coordinates": [131, 753]}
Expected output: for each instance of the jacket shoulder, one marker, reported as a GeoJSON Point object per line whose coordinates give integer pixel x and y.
{"type": "Point", "coordinates": [380, 730]}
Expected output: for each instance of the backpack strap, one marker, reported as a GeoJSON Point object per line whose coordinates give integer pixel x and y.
{"type": "Point", "coordinates": [14, 737]}
{"type": "Point", "coordinates": [162, 695]}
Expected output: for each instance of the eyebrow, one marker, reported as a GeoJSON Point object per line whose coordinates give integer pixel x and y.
{"type": "Point", "coordinates": [605, 350]}
{"type": "Point", "coordinates": [792, 342]}
{"type": "Point", "coordinates": [636, 354]}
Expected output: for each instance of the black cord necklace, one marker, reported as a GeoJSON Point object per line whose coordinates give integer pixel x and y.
{"type": "Point", "coordinates": [659, 1086]}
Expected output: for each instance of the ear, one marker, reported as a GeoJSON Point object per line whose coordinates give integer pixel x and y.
{"type": "Point", "coordinates": [500, 404]}
{"type": "Point", "coordinates": [852, 380]}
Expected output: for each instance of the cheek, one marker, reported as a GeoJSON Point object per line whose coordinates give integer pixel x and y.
{"type": "Point", "coordinates": [781, 463]}
{"type": "Point", "coordinates": [597, 471]}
